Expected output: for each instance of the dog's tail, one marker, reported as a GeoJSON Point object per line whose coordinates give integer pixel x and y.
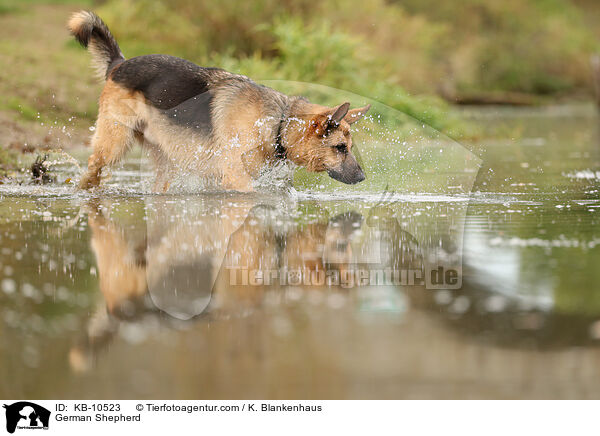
{"type": "Point", "coordinates": [91, 32]}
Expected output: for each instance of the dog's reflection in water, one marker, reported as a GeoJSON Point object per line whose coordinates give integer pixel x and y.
{"type": "Point", "coordinates": [180, 263]}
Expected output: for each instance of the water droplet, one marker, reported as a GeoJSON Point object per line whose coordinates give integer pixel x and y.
{"type": "Point", "coordinates": [8, 286]}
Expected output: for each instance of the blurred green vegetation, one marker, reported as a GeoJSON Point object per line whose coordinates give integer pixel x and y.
{"type": "Point", "coordinates": [269, 40]}
{"type": "Point", "coordinates": [402, 53]}
{"type": "Point", "coordinates": [21, 6]}
{"type": "Point", "coordinates": [374, 47]}
{"type": "Point", "coordinates": [8, 162]}
{"type": "Point", "coordinates": [411, 55]}
{"type": "Point", "coordinates": [45, 85]}
{"type": "Point", "coordinates": [533, 46]}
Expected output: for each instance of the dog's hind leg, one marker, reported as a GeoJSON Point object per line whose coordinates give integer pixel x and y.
{"type": "Point", "coordinates": [110, 142]}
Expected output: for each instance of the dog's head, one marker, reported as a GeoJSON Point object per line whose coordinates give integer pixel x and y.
{"type": "Point", "coordinates": [318, 139]}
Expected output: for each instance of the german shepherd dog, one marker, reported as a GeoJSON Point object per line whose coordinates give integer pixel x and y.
{"type": "Point", "coordinates": [208, 121]}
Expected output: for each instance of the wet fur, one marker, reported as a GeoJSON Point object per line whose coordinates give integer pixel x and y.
{"type": "Point", "coordinates": [206, 121]}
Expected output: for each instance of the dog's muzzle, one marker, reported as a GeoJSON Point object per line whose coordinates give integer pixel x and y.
{"type": "Point", "coordinates": [348, 172]}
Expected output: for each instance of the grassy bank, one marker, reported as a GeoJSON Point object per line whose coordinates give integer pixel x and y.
{"type": "Point", "coordinates": [270, 40]}
{"type": "Point", "coordinates": [8, 162]}
{"type": "Point", "coordinates": [48, 96]}
{"type": "Point", "coordinates": [406, 54]}
{"type": "Point", "coordinates": [383, 49]}
{"type": "Point", "coordinates": [540, 47]}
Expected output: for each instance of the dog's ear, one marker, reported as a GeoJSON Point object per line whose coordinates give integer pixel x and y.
{"type": "Point", "coordinates": [354, 115]}
{"type": "Point", "coordinates": [329, 118]}
{"type": "Point", "coordinates": [338, 114]}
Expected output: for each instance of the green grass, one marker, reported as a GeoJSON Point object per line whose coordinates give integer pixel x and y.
{"type": "Point", "coordinates": [8, 161]}
{"type": "Point", "coordinates": [11, 6]}
{"type": "Point", "coordinates": [269, 43]}
{"type": "Point", "coordinates": [534, 46]}
{"type": "Point", "coordinates": [401, 54]}
{"type": "Point", "coordinates": [44, 73]}
{"type": "Point", "coordinates": [26, 112]}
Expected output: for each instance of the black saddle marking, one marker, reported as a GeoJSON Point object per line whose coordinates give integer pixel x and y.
{"type": "Point", "coordinates": [165, 81]}
{"type": "Point", "coordinates": [194, 113]}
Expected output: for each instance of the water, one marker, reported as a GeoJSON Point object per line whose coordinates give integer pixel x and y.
{"type": "Point", "coordinates": [124, 294]}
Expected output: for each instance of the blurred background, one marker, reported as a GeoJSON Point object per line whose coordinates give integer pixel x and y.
{"type": "Point", "coordinates": [417, 56]}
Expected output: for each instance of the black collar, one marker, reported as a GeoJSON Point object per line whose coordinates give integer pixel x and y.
{"type": "Point", "coordinates": [280, 151]}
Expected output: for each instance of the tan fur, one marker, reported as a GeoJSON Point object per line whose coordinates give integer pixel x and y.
{"type": "Point", "coordinates": [122, 277]}
{"type": "Point", "coordinates": [77, 20]}
{"type": "Point", "coordinates": [172, 147]}
{"type": "Point", "coordinates": [115, 130]}
{"type": "Point", "coordinates": [133, 264]}
{"type": "Point", "coordinates": [242, 129]}
{"type": "Point", "coordinates": [77, 25]}
{"type": "Point", "coordinates": [240, 147]}
{"type": "Point", "coordinates": [310, 149]}
{"type": "Point", "coordinates": [129, 264]}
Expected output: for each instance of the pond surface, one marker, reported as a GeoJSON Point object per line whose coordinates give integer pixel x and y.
{"type": "Point", "coordinates": [477, 278]}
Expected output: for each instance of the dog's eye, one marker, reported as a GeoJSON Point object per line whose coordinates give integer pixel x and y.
{"type": "Point", "coordinates": [341, 148]}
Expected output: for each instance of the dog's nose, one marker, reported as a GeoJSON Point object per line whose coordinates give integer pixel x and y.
{"type": "Point", "coordinates": [360, 176]}
{"type": "Point", "coordinates": [357, 177]}
{"type": "Point", "coordinates": [349, 176]}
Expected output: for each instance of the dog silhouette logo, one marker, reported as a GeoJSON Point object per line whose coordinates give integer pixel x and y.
{"type": "Point", "coordinates": [26, 415]}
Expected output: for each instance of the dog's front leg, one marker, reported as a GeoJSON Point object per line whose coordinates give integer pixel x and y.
{"type": "Point", "coordinates": [238, 180]}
